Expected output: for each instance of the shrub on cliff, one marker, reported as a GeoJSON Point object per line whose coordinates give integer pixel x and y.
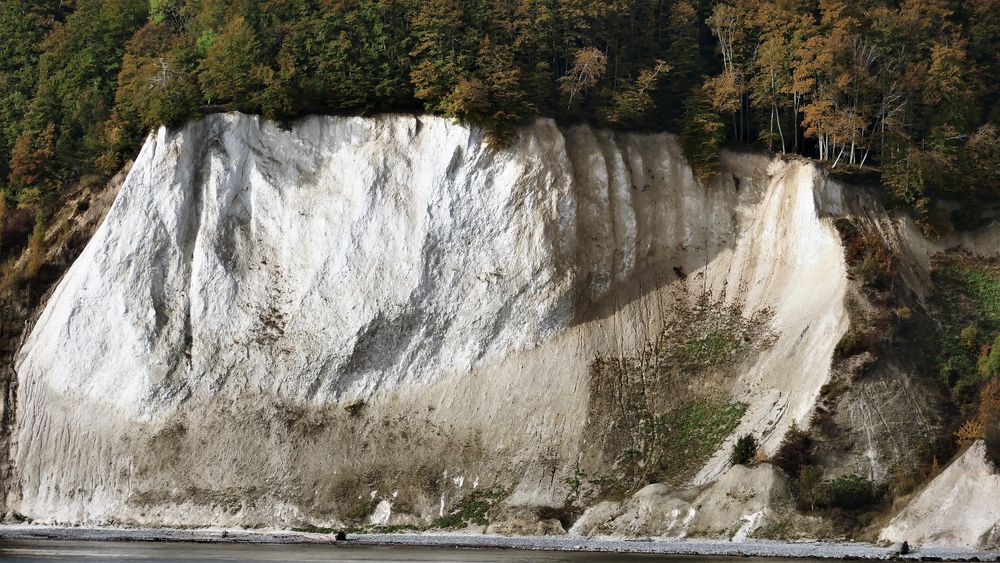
{"type": "Point", "coordinates": [847, 492]}
{"type": "Point", "coordinates": [471, 509]}
{"type": "Point", "coordinates": [15, 230]}
{"type": "Point", "coordinates": [744, 450]}
{"type": "Point", "coordinates": [850, 491]}
{"type": "Point", "coordinates": [989, 361]}
{"type": "Point", "coordinates": [810, 486]}
{"type": "Point", "coordinates": [795, 451]}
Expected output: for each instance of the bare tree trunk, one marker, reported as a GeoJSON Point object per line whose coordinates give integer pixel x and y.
{"type": "Point", "coordinates": [795, 121]}
{"type": "Point", "coordinates": [842, 147]}
{"type": "Point", "coordinates": [770, 132]}
{"type": "Point", "coordinates": [746, 118]}
{"type": "Point", "coordinates": [780, 134]}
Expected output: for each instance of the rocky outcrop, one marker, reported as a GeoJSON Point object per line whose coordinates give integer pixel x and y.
{"type": "Point", "coordinates": [359, 315]}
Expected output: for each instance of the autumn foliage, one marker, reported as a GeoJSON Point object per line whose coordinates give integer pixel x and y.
{"type": "Point", "coordinates": [906, 86]}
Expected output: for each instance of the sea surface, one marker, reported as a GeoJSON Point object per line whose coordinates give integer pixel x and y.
{"type": "Point", "coordinates": [148, 552]}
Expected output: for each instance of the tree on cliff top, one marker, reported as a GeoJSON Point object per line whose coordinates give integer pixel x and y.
{"type": "Point", "coordinates": [702, 136]}
{"type": "Point", "coordinates": [851, 83]}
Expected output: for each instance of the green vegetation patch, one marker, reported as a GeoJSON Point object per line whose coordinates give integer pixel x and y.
{"type": "Point", "coordinates": [967, 310]}
{"type": "Point", "coordinates": [387, 529]}
{"type": "Point", "coordinates": [471, 509]}
{"type": "Point", "coordinates": [678, 443]}
{"type": "Point", "coordinates": [655, 415]}
{"type": "Point", "coordinates": [311, 529]}
{"type": "Point", "coordinates": [981, 281]}
{"type": "Point", "coordinates": [711, 349]}
{"type": "Point", "coordinates": [850, 491]}
{"type": "Point", "coordinates": [691, 434]}
{"type": "Point", "coordinates": [968, 307]}
{"type": "Point", "coordinates": [968, 286]}
{"type": "Point", "coordinates": [363, 508]}
{"type": "Point", "coordinates": [846, 492]}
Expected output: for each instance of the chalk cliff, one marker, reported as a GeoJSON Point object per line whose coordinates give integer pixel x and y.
{"type": "Point", "coordinates": [372, 319]}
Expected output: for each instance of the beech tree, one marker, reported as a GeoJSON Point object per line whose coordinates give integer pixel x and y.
{"type": "Point", "coordinates": [634, 100]}
{"type": "Point", "coordinates": [682, 52]}
{"type": "Point", "coordinates": [702, 136]}
{"type": "Point", "coordinates": [440, 53]}
{"type": "Point", "coordinates": [982, 153]}
{"type": "Point", "coordinates": [727, 90]}
{"type": "Point", "coordinates": [33, 161]}
{"type": "Point", "coordinates": [225, 72]}
{"type": "Point", "coordinates": [588, 67]}
{"type": "Point", "coordinates": [154, 85]}
{"type": "Point", "coordinates": [771, 76]}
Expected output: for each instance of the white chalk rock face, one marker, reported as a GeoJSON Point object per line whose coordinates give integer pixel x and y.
{"type": "Point", "coordinates": [958, 508]}
{"type": "Point", "coordinates": [740, 502]}
{"type": "Point", "coordinates": [367, 318]}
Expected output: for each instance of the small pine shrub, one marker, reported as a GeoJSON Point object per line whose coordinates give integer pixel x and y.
{"type": "Point", "coordinates": [970, 431]}
{"type": "Point", "coordinates": [744, 450]}
{"type": "Point", "coordinates": [794, 452]}
{"type": "Point", "coordinates": [986, 419]}
{"type": "Point", "coordinates": [930, 451]}
{"type": "Point", "coordinates": [989, 413]}
{"type": "Point", "coordinates": [869, 270]}
{"type": "Point", "coordinates": [903, 483]}
{"type": "Point", "coordinates": [36, 250]}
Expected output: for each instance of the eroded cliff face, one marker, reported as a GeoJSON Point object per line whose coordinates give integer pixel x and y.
{"type": "Point", "coordinates": [367, 319]}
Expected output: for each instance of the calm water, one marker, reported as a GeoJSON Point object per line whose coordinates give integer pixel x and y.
{"type": "Point", "coordinates": [57, 550]}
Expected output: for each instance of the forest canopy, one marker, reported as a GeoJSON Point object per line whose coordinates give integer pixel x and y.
{"type": "Point", "coordinates": [907, 89]}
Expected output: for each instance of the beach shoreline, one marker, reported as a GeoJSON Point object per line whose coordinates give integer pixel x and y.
{"type": "Point", "coordinates": [689, 547]}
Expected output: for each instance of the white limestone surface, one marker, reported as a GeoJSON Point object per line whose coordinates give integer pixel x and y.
{"type": "Point", "coordinates": [286, 327]}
